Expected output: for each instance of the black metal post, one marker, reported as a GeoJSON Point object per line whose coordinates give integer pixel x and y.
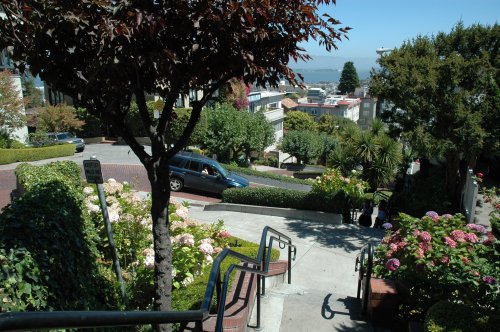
{"type": "Point", "coordinates": [263, 267]}
{"type": "Point", "coordinates": [289, 261]}
{"type": "Point", "coordinates": [258, 303]}
{"type": "Point", "coordinates": [218, 289]}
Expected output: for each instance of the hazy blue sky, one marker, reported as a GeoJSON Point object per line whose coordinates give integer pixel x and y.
{"type": "Point", "coordinates": [389, 23]}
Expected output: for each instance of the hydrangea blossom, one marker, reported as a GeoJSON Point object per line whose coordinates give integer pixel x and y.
{"type": "Point", "coordinates": [187, 281]}
{"type": "Point", "coordinates": [114, 216]}
{"type": "Point", "coordinates": [206, 248]}
{"type": "Point", "coordinates": [182, 212]}
{"type": "Point", "coordinates": [392, 264]}
{"type": "Point", "coordinates": [458, 235]}
{"type": "Point", "coordinates": [471, 237]}
{"type": "Point", "coordinates": [224, 234]}
{"type": "Point", "coordinates": [92, 207]}
{"type": "Point", "coordinates": [445, 260]}
{"type": "Point", "coordinates": [149, 259]}
{"type": "Point", "coordinates": [187, 239]}
{"type": "Point", "coordinates": [433, 215]}
{"type": "Point", "coordinates": [88, 190]}
{"type": "Point", "coordinates": [387, 225]}
{"type": "Point", "coordinates": [489, 280]}
{"type": "Point", "coordinates": [425, 236]}
{"type": "Point", "coordinates": [449, 241]}
{"type": "Point", "coordinates": [477, 228]}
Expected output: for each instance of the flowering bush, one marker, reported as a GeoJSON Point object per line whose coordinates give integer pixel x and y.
{"type": "Point", "coordinates": [332, 181]}
{"type": "Point", "coordinates": [441, 258]}
{"type": "Point", "coordinates": [193, 245]}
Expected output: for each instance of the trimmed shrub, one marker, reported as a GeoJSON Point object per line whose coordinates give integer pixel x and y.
{"type": "Point", "coordinates": [8, 156]}
{"type": "Point", "coordinates": [249, 171]}
{"type": "Point", "coordinates": [47, 243]}
{"type": "Point", "coordinates": [286, 198]}
{"type": "Point", "coordinates": [445, 316]}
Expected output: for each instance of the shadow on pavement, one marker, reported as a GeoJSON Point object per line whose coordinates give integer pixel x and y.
{"type": "Point", "coordinates": [351, 238]}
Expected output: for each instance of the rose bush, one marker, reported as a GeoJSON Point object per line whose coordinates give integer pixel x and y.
{"type": "Point", "coordinates": [441, 258]}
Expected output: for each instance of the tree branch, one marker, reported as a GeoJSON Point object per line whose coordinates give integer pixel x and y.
{"type": "Point", "coordinates": [141, 104]}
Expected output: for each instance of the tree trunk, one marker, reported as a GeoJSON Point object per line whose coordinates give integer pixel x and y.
{"type": "Point", "coordinates": [160, 194]}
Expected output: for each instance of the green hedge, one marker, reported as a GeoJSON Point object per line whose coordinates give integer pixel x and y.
{"type": "Point", "coordinates": [445, 316]}
{"type": "Point", "coordinates": [9, 156]}
{"type": "Point", "coordinates": [286, 198]}
{"type": "Point", "coordinates": [249, 171]}
{"type": "Point", "coordinates": [47, 245]}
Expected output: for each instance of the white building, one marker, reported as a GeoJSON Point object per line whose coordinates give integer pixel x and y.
{"type": "Point", "coordinates": [334, 105]}
{"type": "Point", "coordinates": [270, 103]}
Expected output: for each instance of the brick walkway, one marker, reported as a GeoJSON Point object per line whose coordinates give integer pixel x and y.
{"type": "Point", "coordinates": [134, 174]}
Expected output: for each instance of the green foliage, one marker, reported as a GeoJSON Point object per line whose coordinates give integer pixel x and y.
{"type": "Point", "coordinates": [93, 126]}
{"type": "Point", "coordinates": [231, 133]}
{"type": "Point", "coordinates": [445, 92]}
{"type": "Point", "coordinates": [51, 246]}
{"type": "Point", "coordinates": [20, 288]}
{"type": "Point", "coordinates": [441, 258]}
{"type": "Point", "coordinates": [269, 175]}
{"type": "Point", "coordinates": [33, 95]}
{"type": "Point", "coordinates": [9, 156]}
{"type": "Point", "coordinates": [299, 121]}
{"type": "Point", "coordinates": [8, 143]}
{"type": "Point", "coordinates": [57, 118]}
{"type": "Point", "coordinates": [303, 145]}
{"type": "Point", "coordinates": [334, 125]}
{"type": "Point", "coordinates": [349, 79]}
{"type": "Point", "coordinates": [332, 181]}
{"type": "Point", "coordinates": [286, 198]}
{"type": "Point", "coordinates": [11, 104]}
{"type": "Point", "coordinates": [445, 316]}
{"type": "Point", "coordinates": [175, 128]}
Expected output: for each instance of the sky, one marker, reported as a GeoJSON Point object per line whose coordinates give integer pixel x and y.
{"type": "Point", "coordinates": [389, 23]}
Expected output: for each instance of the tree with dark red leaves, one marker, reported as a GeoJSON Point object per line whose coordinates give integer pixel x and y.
{"type": "Point", "coordinates": [105, 53]}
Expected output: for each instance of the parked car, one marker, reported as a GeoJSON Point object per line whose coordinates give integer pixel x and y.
{"type": "Point", "coordinates": [66, 137]}
{"type": "Point", "coordinates": [195, 171]}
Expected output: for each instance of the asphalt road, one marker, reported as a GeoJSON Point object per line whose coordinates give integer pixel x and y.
{"type": "Point", "coordinates": [120, 162]}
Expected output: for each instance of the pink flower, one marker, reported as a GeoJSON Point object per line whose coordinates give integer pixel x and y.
{"type": "Point", "coordinates": [471, 237]}
{"type": "Point", "coordinates": [393, 246]}
{"type": "Point", "coordinates": [475, 273]}
{"type": "Point", "coordinates": [419, 253]}
{"type": "Point", "coordinates": [445, 260]}
{"type": "Point", "coordinates": [477, 228]}
{"type": "Point", "coordinates": [392, 264]}
{"type": "Point", "coordinates": [458, 235]}
{"type": "Point", "coordinates": [224, 234]}
{"type": "Point", "coordinates": [489, 280]}
{"type": "Point", "coordinates": [465, 260]}
{"type": "Point", "coordinates": [433, 215]}
{"type": "Point", "coordinates": [389, 253]}
{"type": "Point", "coordinates": [480, 175]}
{"type": "Point", "coordinates": [446, 216]}
{"type": "Point", "coordinates": [402, 244]}
{"type": "Point", "coordinates": [416, 232]}
{"type": "Point", "coordinates": [425, 246]}
{"type": "Point", "coordinates": [425, 236]}
{"type": "Point", "coordinates": [449, 241]}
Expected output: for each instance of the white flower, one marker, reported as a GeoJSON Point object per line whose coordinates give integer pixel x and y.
{"type": "Point", "coordinates": [209, 259]}
{"type": "Point", "coordinates": [88, 190]}
{"type": "Point", "coordinates": [92, 207]}
{"type": "Point", "coordinates": [187, 281]}
{"type": "Point", "coordinates": [125, 183]}
{"type": "Point", "coordinates": [187, 239]}
{"type": "Point", "coordinates": [206, 248]}
{"type": "Point", "coordinates": [149, 261]}
{"type": "Point", "coordinates": [174, 272]}
{"type": "Point", "coordinates": [182, 212]}
{"type": "Point", "coordinates": [111, 180]}
{"type": "Point", "coordinates": [113, 215]}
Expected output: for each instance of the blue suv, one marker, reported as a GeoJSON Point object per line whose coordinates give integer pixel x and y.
{"type": "Point", "coordinates": [195, 171]}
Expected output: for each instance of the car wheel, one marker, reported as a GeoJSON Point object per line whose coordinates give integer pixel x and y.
{"type": "Point", "coordinates": [176, 184]}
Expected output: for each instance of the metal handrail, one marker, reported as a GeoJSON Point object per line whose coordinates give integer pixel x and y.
{"type": "Point", "coordinates": [20, 321]}
{"type": "Point", "coordinates": [365, 273]}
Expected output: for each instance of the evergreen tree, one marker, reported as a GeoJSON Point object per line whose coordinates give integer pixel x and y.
{"type": "Point", "coordinates": [349, 79]}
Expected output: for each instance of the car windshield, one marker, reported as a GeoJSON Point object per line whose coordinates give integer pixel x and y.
{"type": "Point", "coordinates": [222, 171]}
{"type": "Point", "coordinates": [64, 136]}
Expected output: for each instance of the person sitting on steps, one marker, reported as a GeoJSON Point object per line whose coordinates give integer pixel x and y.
{"type": "Point", "coordinates": [365, 219]}
{"type": "Point", "coordinates": [382, 214]}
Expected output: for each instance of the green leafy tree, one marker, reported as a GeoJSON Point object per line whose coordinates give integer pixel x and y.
{"type": "Point", "coordinates": [299, 121]}
{"type": "Point", "coordinates": [57, 118]}
{"type": "Point", "coordinates": [231, 133]}
{"type": "Point", "coordinates": [331, 124]}
{"type": "Point", "coordinates": [303, 145]}
{"type": "Point", "coordinates": [349, 79]}
{"type": "Point", "coordinates": [445, 91]}
{"type": "Point", "coordinates": [121, 49]}
{"type": "Point", "coordinates": [11, 105]}
{"type": "Point", "coordinates": [33, 96]}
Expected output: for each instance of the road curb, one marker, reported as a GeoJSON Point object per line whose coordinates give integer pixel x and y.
{"type": "Point", "coordinates": [319, 216]}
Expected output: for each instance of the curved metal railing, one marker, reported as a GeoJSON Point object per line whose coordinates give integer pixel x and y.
{"type": "Point", "coordinates": [364, 265]}
{"type": "Point", "coordinates": [22, 321]}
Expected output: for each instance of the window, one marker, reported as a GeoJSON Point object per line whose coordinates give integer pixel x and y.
{"type": "Point", "coordinates": [194, 166]}
{"type": "Point", "coordinates": [176, 161]}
